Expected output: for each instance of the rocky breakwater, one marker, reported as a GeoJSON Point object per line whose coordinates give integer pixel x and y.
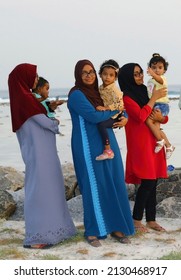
{"type": "Point", "coordinates": [12, 194]}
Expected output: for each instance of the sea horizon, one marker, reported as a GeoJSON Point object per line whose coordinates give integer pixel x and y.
{"type": "Point", "coordinates": [174, 91]}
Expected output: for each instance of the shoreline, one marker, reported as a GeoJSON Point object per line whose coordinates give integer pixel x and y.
{"type": "Point", "coordinates": [10, 152]}
{"type": "Point", "coordinates": [5, 101]}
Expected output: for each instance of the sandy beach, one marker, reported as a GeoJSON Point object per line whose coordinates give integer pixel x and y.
{"type": "Point", "coordinates": [150, 246]}
{"type": "Point", "coordinates": [10, 153]}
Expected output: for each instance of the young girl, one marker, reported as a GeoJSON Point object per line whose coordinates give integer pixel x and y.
{"type": "Point", "coordinates": [156, 69]}
{"type": "Point", "coordinates": [113, 100]}
{"type": "Point", "coordinates": [41, 92]}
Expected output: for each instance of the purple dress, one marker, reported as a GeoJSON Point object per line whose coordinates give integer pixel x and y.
{"type": "Point", "coordinates": [47, 219]}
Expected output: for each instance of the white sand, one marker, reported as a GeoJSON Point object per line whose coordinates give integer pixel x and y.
{"type": "Point", "coordinates": [10, 153]}
{"type": "Point", "coordinates": [149, 246]}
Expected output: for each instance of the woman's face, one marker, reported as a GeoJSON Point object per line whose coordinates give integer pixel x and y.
{"type": "Point", "coordinates": [88, 75]}
{"type": "Point", "coordinates": [138, 75]}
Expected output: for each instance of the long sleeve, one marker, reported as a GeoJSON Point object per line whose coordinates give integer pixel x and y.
{"type": "Point", "coordinates": [79, 103]}
{"type": "Point", "coordinates": [139, 114]}
{"type": "Point", "coordinates": [46, 123]}
{"type": "Point", "coordinates": [134, 110]}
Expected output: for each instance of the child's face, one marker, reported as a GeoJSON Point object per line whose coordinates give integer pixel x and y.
{"type": "Point", "coordinates": [158, 68]}
{"type": "Point", "coordinates": [108, 76]}
{"type": "Point", "coordinates": [35, 82]}
{"type": "Point", "coordinates": [44, 91]}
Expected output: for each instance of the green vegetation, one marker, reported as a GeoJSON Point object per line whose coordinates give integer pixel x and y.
{"type": "Point", "coordinates": [11, 254]}
{"type": "Point", "coordinates": [49, 257]}
{"type": "Point", "coordinates": [172, 256]}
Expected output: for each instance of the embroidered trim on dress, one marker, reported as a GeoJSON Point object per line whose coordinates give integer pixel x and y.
{"type": "Point", "coordinates": [92, 180]}
{"type": "Point", "coordinates": [51, 237]}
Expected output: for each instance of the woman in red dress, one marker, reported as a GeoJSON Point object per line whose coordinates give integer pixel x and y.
{"type": "Point", "coordinates": [143, 165]}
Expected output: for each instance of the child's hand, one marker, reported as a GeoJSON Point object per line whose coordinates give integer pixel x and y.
{"type": "Point", "coordinates": [53, 105]}
{"type": "Point", "coordinates": [60, 102]}
{"type": "Point", "coordinates": [150, 71]}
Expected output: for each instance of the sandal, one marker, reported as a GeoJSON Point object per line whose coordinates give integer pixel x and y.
{"type": "Point", "coordinates": [169, 151]}
{"type": "Point", "coordinates": [121, 239]}
{"type": "Point", "coordinates": [159, 145]}
{"type": "Point", "coordinates": [93, 241]}
{"type": "Point", "coordinates": [156, 227]}
{"type": "Point", "coordinates": [140, 228]}
{"type": "Point", "coordinates": [38, 246]}
{"type": "Point", "coordinates": [107, 154]}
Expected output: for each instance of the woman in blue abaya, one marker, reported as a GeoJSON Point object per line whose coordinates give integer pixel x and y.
{"type": "Point", "coordinates": [102, 185]}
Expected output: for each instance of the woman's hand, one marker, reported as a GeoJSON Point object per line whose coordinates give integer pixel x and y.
{"type": "Point", "coordinates": [123, 121]}
{"type": "Point", "coordinates": [156, 94]}
{"type": "Point", "coordinates": [156, 115]}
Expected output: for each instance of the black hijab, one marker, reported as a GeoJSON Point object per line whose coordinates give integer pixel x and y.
{"type": "Point", "coordinates": [90, 91]}
{"type": "Point", "coordinates": [129, 87]}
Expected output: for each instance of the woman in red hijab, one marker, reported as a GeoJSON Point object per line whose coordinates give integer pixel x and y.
{"type": "Point", "coordinates": [47, 219]}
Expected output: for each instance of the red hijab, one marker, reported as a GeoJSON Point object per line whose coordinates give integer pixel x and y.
{"type": "Point", "coordinates": [23, 104]}
{"type": "Point", "coordinates": [90, 91]}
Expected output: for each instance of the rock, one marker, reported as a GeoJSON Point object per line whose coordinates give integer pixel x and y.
{"type": "Point", "coordinates": [170, 187]}
{"type": "Point", "coordinates": [70, 181]}
{"type": "Point", "coordinates": [170, 208]}
{"type": "Point", "coordinates": [18, 197]}
{"type": "Point", "coordinates": [11, 179]}
{"type": "Point", "coordinates": [76, 209]}
{"type": "Point", "coordinates": [131, 189]}
{"type": "Point", "coordinates": [7, 204]}
{"type": "Point", "coordinates": [71, 187]}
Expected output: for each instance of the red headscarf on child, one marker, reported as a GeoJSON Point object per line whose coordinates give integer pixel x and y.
{"type": "Point", "coordinates": [23, 104]}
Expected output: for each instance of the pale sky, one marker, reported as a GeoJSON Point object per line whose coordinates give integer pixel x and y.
{"type": "Point", "coordinates": [55, 34]}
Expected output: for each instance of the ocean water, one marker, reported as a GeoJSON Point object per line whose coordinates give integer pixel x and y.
{"type": "Point", "coordinates": [56, 93]}
{"type": "Point", "coordinates": [174, 91]}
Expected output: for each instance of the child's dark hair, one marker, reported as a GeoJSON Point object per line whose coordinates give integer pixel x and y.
{"type": "Point", "coordinates": [156, 57]}
{"type": "Point", "coordinates": [109, 63]}
{"type": "Point", "coordinates": [41, 83]}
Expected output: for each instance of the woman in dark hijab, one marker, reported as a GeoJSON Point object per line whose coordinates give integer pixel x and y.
{"type": "Point", "coordinates": [143, 165]}
{"type": "Point", "coordinates": [102, 185]}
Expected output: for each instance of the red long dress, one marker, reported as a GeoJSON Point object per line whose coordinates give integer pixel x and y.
{"type": "Point", "coordinates": [141, 161]}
